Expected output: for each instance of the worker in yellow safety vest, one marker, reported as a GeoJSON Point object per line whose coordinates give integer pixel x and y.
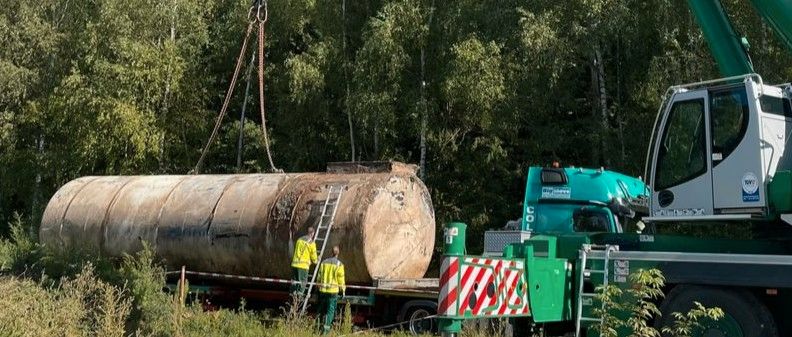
{"type": "Point", "coordinates": [331, 281]}
{"type": "Point", "coordinates": [304, 256]}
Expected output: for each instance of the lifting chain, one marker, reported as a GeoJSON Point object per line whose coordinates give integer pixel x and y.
{"type": "Point", "coordinates": [258, 14]}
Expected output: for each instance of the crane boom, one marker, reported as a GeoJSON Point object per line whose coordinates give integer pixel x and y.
{"type": "Point", "coordinates": [729, 50]}
{"type": "Point", "coordinates": [778, 15]}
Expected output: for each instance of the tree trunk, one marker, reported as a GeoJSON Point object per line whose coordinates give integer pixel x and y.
{"type": "Point", "coordinates": [424, 116]}
{"type": "Point", "coordinates": [346, 80]}
{"type": "Point", "coordinates": [620, 112]}
{"type": "Point", "coordinates": [603, 105]}
{"type": "Point", "coordinates": [167, 94]}
{"type": "Point", "coordinates": [424, 105]}
{"type": "Point", "coordinates": [594, 130]}
{"type": "Point", "coordinates": [36, 204]}
{"type": "Point", "coordinates": [376, 137]}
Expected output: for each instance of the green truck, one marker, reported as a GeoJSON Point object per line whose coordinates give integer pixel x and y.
{"type": "Point", "coordinates": [717, 157]}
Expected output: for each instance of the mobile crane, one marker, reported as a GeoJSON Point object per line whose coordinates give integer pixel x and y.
{"type": "Point", "coordinates": [718, 155]}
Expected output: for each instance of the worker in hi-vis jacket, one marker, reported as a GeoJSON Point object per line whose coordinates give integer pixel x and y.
{"type": "Point", "coordinates": [331, 281]}
{"type": "Point", "coordinates": [304, 257]}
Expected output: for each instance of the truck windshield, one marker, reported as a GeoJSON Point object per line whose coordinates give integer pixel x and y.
{"type": "Point", "coordinates": [587, 220]}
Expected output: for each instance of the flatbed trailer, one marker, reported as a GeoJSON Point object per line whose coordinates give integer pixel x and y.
{"type": "Point", "coordinates": [408, 304]}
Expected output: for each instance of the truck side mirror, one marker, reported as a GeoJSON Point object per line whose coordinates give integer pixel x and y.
{"type": "Point", "coordinates": [621, 208]}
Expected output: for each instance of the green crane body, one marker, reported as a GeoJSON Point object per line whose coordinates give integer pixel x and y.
{"type": "Point", "coordinates": [583, 232]}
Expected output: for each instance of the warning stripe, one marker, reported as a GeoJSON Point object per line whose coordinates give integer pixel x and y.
{"type": "Point", "coordinates": [506, 273]}
{"type": "Point", "coordinates": [498, 277]}
{"type": "Point", "coordinates": [481, 293]}
{"type": "Point", "coordinates": [508, 277]}
{"type": "Point", "coordinates": [448, 285]}
{"type": "Point", "coordinates": [510, 295]}
{"type": "Point", "coordinates": [469, 273]}
{"type": "Point", "coordinates": [446, 306]}
{"type": "Point", "coordinates": [482, 273]}
{"type": "Point", "coordinates": [463, 279]}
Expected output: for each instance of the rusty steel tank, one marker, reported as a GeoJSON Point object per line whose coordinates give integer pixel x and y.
{"type": "Point", "coordinates": [246, 223]}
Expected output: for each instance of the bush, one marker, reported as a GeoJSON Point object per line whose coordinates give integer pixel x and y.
{"type": "Point", "coordinates": [81, 306]}
{"type": "Point", "coordinates": [637, 303]}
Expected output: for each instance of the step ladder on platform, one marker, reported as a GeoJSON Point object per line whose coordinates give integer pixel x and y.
{"type": "Point", "coordinates": [587, 274]}
{"type": "Point", "coordinates": [322, 233]}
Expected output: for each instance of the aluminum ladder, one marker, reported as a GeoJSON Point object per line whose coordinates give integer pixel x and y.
{"type": "Point", "coordinates": [585, 273]}
{"type": "Point", "coordinates": [322, 233]}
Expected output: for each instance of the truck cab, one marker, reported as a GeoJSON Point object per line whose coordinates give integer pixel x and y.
{"type": "Point", "coordinates": [572, 199]}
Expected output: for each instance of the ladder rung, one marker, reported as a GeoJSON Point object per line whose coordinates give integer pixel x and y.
{"type": "Point", "coordinates": [588, 295]}
{"type": "Point", "coordinates": [596, 271]}
{"type": "Point", "coordinates": [591, 319]}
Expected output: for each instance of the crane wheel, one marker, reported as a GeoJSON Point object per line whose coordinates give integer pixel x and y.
{"type": "Point", "coordinates": [744, 314]}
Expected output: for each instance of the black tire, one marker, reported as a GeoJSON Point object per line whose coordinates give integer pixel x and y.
{"type": "Point", "coordinates": [740, 306]}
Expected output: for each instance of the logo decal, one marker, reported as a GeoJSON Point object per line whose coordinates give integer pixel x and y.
{"type": "Point", "coordinates": [556, 192]}
{"type": "Point", "coordinates": [750, 187]}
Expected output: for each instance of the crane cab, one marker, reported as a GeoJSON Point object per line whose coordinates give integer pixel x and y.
{"type": "Point", "coordinates": [715, 147]}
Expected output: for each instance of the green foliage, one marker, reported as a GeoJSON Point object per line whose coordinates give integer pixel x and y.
{"type": "Point", "coordinates": [80, 306]}
{"type": "Point", "coordinates": [632, 309]}
{"type": "Point", "coordinates": [20, 250]}
{"type": "Point", "coordinates": [686, 324]}
{"type": "Point", "coordinates": [609, 312]}
{"type": "Point", "coordinates": [475, 83]}
{"type": "Point", "coordinates": [484, 327]}
{"type": "Point", "coordinates": [646, 291]}
{"type": "Point", "coordinates": [131, 87]}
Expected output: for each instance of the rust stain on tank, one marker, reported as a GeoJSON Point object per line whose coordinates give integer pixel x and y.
{"type": "Point", "coordinates": [246, 224]}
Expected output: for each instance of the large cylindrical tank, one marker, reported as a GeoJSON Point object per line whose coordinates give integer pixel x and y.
{"type": "Point", "coordinates": [247, 223]}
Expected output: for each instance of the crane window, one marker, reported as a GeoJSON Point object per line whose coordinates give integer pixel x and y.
{"type": "Point", "coordinates": [775, 105]}
{"type": "Point", "coordinates": [729, 111]}
{"type": "Point", "coordinates": [682, 153]}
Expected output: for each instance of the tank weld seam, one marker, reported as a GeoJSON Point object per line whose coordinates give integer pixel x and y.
{"type": "Point", "coordinates": [294, 211]}
{"type": "Point", "coordinates": [162, 208]}
{"type": "Point", "coordinates": [231, 181]}
{"type": "Point", "coordinates": [68, 206]}
{"type": "Point", "coordinates": [103, 225]}
{"type": "Point", "coordinates": [245, 204]}
{"type": "Point", "coordinates": [281, 193]}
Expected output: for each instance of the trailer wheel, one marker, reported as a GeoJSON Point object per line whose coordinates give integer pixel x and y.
{"type": "Point", "coordinates": [744, 316]}
{"type": "Point", "coordinates": [414, 315]}
{"type": "Point", "coordinates": [418, 323]}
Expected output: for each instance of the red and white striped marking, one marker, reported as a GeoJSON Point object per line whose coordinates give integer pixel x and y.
{"type": "Point", "coordinates": [482, 287]}
{"type": "Point", "coordinates": [449, 279]}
